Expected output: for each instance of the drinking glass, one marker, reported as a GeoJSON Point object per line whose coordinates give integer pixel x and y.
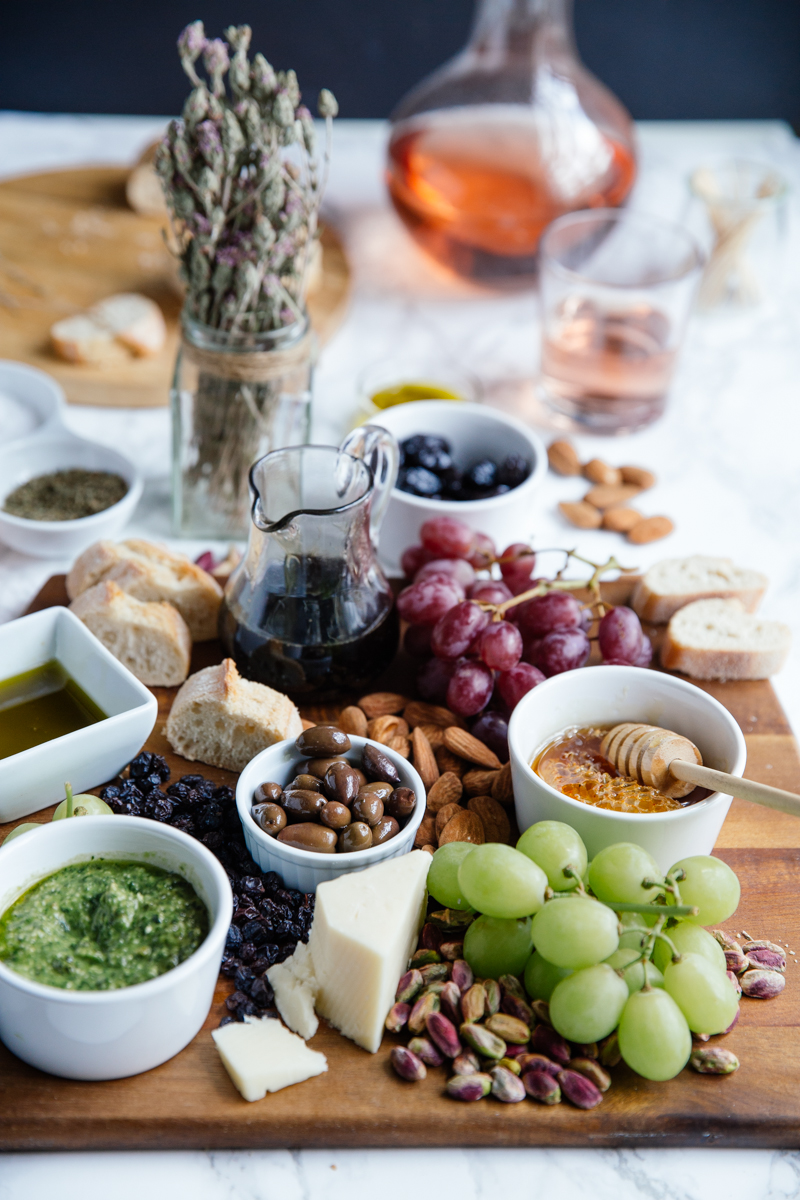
{"type": "Point", "coordinates": [617, 287]}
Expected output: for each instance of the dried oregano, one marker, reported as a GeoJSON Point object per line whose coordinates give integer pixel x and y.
{"type": "Point", "coordinates": [243, 184]}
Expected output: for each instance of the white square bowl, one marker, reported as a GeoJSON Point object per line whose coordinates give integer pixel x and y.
{"type": "Point", "coordinates": [86, 757]}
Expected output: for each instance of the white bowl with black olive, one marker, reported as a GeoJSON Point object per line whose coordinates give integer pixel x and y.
{"type": "Point", "coordinates": [304, 868]}
{"type": "Point", "coordinates": [112, 1031]}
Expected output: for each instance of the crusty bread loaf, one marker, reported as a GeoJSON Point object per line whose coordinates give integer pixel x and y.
{"type": "Point", "coordinates": [223, 720]}
{"type": "Point", "coordinates": [149, 637]}
{"type": "Point", "coordinates": [151, 572]}
{"type": "Point", "coordinates": [675, 582]}
{"type": "Point", "coordinates": [135, 321]}
{"type": "Point", "coordinates": [719, 639]}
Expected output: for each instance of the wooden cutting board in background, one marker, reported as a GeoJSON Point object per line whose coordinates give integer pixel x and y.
{"type": "Point", "coordinates": [69, 239]}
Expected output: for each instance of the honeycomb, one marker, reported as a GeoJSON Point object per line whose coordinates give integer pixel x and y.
{"type": "Point", "coordinates": [573, 764]}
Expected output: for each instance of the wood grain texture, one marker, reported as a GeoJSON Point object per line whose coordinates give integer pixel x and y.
{"type": "Point", "coordinates": [69, 239]}
{"type": "Point", "coordinates": [189, 1102]}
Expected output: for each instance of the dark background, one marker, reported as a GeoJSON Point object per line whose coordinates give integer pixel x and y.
{"type": "Point", "coordinates": [663, 58]}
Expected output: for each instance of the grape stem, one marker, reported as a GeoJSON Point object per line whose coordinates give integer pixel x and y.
{"type": "Point", "coordinates": [673, 910]}
{"type": "Point", "coordinates": [560, 585]}
{"type": "Point", "coordinates": [70, 802]}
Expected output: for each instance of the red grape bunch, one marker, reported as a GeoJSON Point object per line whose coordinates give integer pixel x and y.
{"type": "Point", "coordinates": [479, 661]}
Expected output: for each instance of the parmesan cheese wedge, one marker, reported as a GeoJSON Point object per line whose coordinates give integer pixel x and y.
{"type": "Point", "coordinates": [364, 931]}
{"type": "Point", "coordinates": [295, 988]}
{"type": "Point", "coordinates": [261, 1056]}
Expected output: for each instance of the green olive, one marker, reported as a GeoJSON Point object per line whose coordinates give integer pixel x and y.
{"type": "Point", "coordinates": [84, 805]}
{"type": "Point", "coordinates": [21, 829]}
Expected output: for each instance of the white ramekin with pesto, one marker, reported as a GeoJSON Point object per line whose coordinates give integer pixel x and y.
{"type": "Point", "coordinates": [111, 936]}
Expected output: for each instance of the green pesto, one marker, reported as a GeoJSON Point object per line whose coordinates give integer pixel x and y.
{"type": "Point", "coordinates": [100, 925]}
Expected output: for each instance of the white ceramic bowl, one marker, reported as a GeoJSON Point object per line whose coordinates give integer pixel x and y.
{"type": "Point", "coordinates": [608, 696]}
{"type": "Point", "coordinates": [305, 869]}
{"type": "Point", "coordinates": [87, 757]}
{"type": "Point", "coordinates": [474, 431]}
{"type": "Point", "coordinates": [109, 1035]}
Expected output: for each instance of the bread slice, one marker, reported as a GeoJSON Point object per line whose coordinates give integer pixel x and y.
{"type": "Point", "coordinates": [674, 582]}
{"type": "Point", "coordinates": [151, 572]}
{"type": "Point", "coordinates": [82, 339]}
{"type": "Point", "coordinates": [223, 720]}
{"type": "Point", "coordinates": [150, 638]}
{"type": "Point", "coordinates": [719, 639]}
{"type": "Point", "coordinates": [134, 320]}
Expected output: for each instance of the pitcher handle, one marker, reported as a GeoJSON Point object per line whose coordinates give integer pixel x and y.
{"type": "Point", "coordinates": [379, 450]}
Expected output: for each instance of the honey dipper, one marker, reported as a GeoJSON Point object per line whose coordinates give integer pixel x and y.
{"type": "Point", "coordinates": [673, 766]}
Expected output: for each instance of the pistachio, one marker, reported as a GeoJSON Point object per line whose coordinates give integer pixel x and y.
{"type": "Point", "coordinates": [436, 989]}
{"type": "Point", "coordinates": [713, 1060]}
{"type": "Point", "coordinates": [462, 975]}
{"type": "Point", "coordinates": [546, 1041]}
{"type": "Point", "coordinates": [443, 1033]}
{"type": "Point", "coordinates": [410, 984]}
{"type": "Point", "coordinates": [761, 984]}
{"type": "Point", "coordinates": [735, 957]}
{"type": "Point", "coordinates": [538, 1062]}
{"type": "Point", "coordinates": [398, 1016]}
{"type": "Point", "coordinates": [424, 1006]}
{"type": "Point", "coordinates": [407, 1064]}
{"type": "Point", "coordinates": [451, 951]}
{"type": "Point", "coordinates": [469, 1087]}
{"type": "Point", "coordinates": [735, 982]}
{"type": "Point", "coordinates": [578, 1089]}
{"type": "Point", "coordinates": [541, 1086]}
{"type": "Point", "coordinates": [492, 989]}
{"type": "Point", "coordinates": [452, 918]}
{"type": "Point", "coordinates": [450, 998]}
{"type": "Point", "coordinates": [733, 1023]}
{"type": "Point", "coordinates": [482, 1040]}
{"type": "Point", "coordinates": [511, 1064]}
{"type": "Point", "coordinates": [426, 1051]}
{"type": "Point", "coordinates": [592, 1070]}
{"type": "Point", "coordinates": [588, 1050]}
{"type": "Point", "coordinates": [506, 1086]}
{"type": "Point", "coordinates": [431, 937]}
{"type": "Point", "coordinates": [541, 1011]}
{"type": "Point", "coordinates": [515, 1007]}
{"type": "Point", "coordinates": [421, 958]}
{"type": "Point", "coordinates": [608, 1051]}
{"type": "Point", "coordinates": [765, 954]}
{"type": "Point", "coordinates": [510, 1029]}
{"type": "Point", "coordinates": [473, 1002]}
{"type": "Point", "coordinates": [435, 972]}
{"type": "Point", "coordinates": [513, 1050]}
{"type": "Point", "coordinates": [510, 984]}
{"type": "Point", "coordinates": [466, 1063]}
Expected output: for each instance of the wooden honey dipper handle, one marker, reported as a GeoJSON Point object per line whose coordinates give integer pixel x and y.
{"type": "Point", "coordinates": [660, 759]}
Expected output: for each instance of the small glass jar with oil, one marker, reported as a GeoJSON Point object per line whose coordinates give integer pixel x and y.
{"type": "Point", "coordinates": [403, 378]}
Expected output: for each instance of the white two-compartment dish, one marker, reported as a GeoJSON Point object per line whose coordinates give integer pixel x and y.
{"type": "Point", "coordinates": [86, 757]}
{"type": "Point", "coordinates": [606, 696]}
{"type": "Point", "coordinates": [474, 431]}
{"type": "Point", "coordinates": [305, 869]}
{"type": "Point", "coordinates": [111, 1034]}
{"type": "Point", "coordinates": [49, 446]}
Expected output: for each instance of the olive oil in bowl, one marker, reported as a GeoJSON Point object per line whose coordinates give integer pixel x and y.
{"type": "Point", "coordinates": [40, 705]}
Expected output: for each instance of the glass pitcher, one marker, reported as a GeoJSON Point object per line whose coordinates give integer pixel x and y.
{"type": "Point", "coordinates": [510, 134]}
{"type": "Point", "coordinates": [309, 611]}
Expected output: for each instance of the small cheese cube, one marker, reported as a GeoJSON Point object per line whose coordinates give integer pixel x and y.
{"type": "Point", "coordinates": [365, 928]}
{"type": "Point", "coordinates": [295, 988]}
{"type": "Point", "coordinates": [263, 1056]}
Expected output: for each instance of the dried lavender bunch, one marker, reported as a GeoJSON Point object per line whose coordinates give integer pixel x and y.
{"type": "Point", "coordinates": [243, 184]}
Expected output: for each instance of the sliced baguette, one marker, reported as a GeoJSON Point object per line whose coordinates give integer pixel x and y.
{"type": "Point", "coordinates": [82, 339]}
{"type": "Point", "coordinates": [134, 320]}
{"type": "Point", "coordinates": [675, 582]}
{"type": "Point", "coordinates": [719, 639]}
{"type": "Point", "coordinates": [149, 637]}
{"type": "Point", "coordinates": [151, 572]}
{"type": "Point", "coordinates": [223, 720]}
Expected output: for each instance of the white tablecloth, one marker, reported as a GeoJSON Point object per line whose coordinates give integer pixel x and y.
{"type": "Point", "coordinates": [726, 455]}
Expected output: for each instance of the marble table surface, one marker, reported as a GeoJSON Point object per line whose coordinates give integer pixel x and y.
{"type": "Point", "coordinates": [727, 455]}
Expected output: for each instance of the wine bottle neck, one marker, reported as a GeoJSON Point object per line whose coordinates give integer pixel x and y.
{"type": "Point", "coordinates": [519, 27]}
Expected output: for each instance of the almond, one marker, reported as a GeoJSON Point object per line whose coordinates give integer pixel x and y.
{"type": "Point", "coordinates": [417, 712]}
{"type": "Point", "coordinates": [611, 495]}
{"type": "Point", "coordinates": [478, 783]}
{"type": "Point", "coordinates": [447, 761]}
{"type": "Point", "coordinates": [353, 720]}
{"type": "Point", "coordinates": [381, 729]}
{"type": "Point", "coordinates": [424, 760]}
{"type": "Point", "coordinates": [463, 826]}
{"type": "Point", "coordinates": [496, 825]}
{"type": "Point", "coordinates": [598, 471]}
{"type": "Point", "coordinates": [401, 744]}
{"type": "Point", "coordinates": [382, 704]}
{"type": "Point", "coordinates": [468, 747]}
{"type": "Point", "coordinates": [426, 834]}
{"type": "Point", "coordinates": [446, 790]}
{"type": "Point", "coordinates": [434, 734]}
{"type": "Point", "coordinates": [584, 515]}
{"type": "Point", "coordinates": [650, 530]}
{"type": "Point", "coordinates": [621, 520]}
{"type": "Point", "coordinates": [429, 849]}
{"type": "Point", "coordinates": [502, 789]}
{"type": "Point", "coordinates": [563, 458]}
{"type": "Point", "coordinates": [443, 816]}
{"type": "Point", "coordinates": [307, 724]}
{"type": "Point", "coordinates": [638, 476]}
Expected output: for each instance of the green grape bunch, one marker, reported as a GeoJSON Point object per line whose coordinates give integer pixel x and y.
{"type": "Point", "coordinates": [610, 945]}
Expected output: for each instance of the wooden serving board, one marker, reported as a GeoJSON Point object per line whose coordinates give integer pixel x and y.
{"type": "Point", "coordinates": [190, 1102]}
{"type": "Point", "coordinates": [69, 239]}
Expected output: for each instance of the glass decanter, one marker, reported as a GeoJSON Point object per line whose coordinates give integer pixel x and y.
{"type": "Point", "coordinates": [504, 138]}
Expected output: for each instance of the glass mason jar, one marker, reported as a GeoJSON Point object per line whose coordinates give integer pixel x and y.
{"type": "Point", "coordinates": [235, 397]}
{"type": "Point", "coordinates": [510, 134]}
